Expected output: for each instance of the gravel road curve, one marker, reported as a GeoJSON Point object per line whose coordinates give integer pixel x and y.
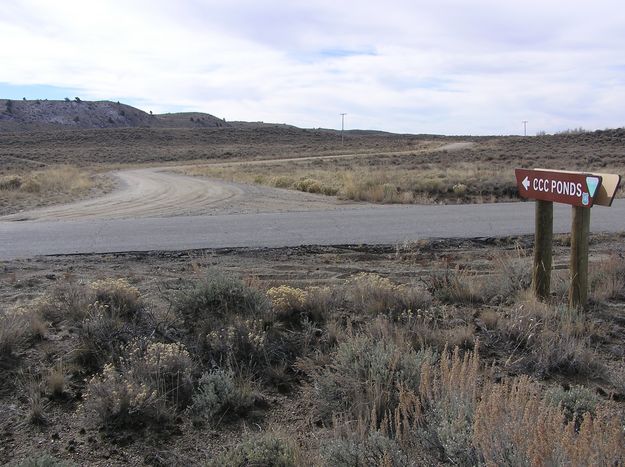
{"type": "Point", "coordinates": [155, 192]}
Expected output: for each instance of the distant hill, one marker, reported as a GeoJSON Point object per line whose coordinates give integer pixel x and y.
{"type": "Point", "coordinates": [34, 115]}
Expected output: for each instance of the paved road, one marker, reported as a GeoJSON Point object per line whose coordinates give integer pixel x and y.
{"type": "Point", "coordinates": [363, 225]}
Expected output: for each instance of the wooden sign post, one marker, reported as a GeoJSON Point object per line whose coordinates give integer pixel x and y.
{"type": "Point", "coordinates": [582, 191]}
{"type": "Point", "coordinates": [541, 273]}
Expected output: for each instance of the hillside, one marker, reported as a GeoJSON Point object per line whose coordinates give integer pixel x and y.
{"type": "Point", "coordinates": [37, 115]}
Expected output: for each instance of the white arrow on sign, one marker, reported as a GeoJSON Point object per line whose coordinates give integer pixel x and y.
{"type": "Point", "coordinates": [526, 183]}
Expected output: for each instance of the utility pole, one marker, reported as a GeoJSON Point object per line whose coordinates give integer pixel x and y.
{"type": "Point", "coordinates": [524, 127]}
{"type": "Point", "coordinates": [342, 126]}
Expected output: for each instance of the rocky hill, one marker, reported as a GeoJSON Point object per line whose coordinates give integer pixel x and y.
{"type": "Point", "coordinates": [36, 115]}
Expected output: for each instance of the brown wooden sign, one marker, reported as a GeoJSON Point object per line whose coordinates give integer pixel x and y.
{"type": "Point", "coordinates": [574, 188]}
{"type": "Point", "coordinates": [606, 192]}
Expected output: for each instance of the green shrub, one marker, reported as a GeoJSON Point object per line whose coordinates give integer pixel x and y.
{"type": "Point", "coordinates": [374, 450]}
{"type": "Point", "coordinates": [164, 367]}
{"type": "Point", "coordinates": [365, 377]}
{"type": "Point", "coordinates": [241, 341]}
{"type": "Point", "coordinates": [576, 402]}
{"type": "Point", "coordinates": [111, 322]}
{"type": "Point", "coordinates": [448, 399]}
{"type": "Point", "coordinates": [216, 298]}
{"type": "Point", "coordinates": [265, 450]}
{"type": "Point", "coordinates": [294, 306]}
{"type": "Point", "coordinates": [234, 327]}
{"type": "Point", "coordinates": [218, 395]}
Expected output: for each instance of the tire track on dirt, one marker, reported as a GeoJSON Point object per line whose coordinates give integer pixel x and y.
{"type": "Point", "coordinates": [141, 193]}
{"type": "Point", "coordinates": [155, 192]}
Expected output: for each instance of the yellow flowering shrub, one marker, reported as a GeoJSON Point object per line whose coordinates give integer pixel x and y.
{"type": "Point", "coordinates": [121, 297]}
{"type": "Point", "coordinates": [374, 294]}
{"type": "Point", "coordinates": [285, 298]}
{"type": "Point", "coordinates": [114, 397]}
{"type": "Point", "coordinates": [152, 379]}
{"type": "Point", "coordinates": [240, 339]}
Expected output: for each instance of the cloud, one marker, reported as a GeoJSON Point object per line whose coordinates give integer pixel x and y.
{"type": "Point", "coordinates": [450, 67]}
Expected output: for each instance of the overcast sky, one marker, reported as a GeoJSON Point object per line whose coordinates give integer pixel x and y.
{"type": "Point", "coordinates": [447, 67]}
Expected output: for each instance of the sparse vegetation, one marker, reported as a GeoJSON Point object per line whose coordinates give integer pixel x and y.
{"type": "Point", "coordinates": [434, 354]}
{"type": "Point", "coordinates": [358, 368]}
{"type": "Point", "coordinates": [386, 185]}
{"type": "Point", "coordinates": [268, 449]}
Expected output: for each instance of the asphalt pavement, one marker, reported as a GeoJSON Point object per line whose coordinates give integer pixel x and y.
{"type": "Point", "coordinates": [375, 225]}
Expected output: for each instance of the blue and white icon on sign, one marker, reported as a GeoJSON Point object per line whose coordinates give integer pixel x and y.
{"type": "Point", "coordinates": [585, 199]}
{"type": "Point", "coordinates": [592, 183]}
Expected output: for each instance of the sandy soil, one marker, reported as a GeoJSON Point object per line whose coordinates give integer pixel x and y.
{"type": "Point", "coordinates": [154, 192]}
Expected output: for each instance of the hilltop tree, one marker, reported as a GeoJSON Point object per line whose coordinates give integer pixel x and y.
{"type": "Point", "coordinates": [9, 106]}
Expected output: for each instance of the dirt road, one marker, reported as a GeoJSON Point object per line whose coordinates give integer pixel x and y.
{"type": "Point", "coordinates": [154, 192]}
{"type": "Point", "coordinates": [158, 192]}
{"type": "Point", "coordinates": [450, 147]}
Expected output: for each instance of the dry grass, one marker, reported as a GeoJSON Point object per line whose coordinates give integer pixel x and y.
{"type": "Point", "coordinates": [449, 394]}
{"type": "Point", "coordinates": [515, 425]}
{"type": "Point", "coordinates": [607, 279]}
{"type": "Point", "coordinates": [61, 179]}
{"type": "Point", "coordinates": [373, 294]}
{"type": "Point", "coordinates": [550, 339]}
{"type": "Point", "coordinates": [29, 189]}
{"type": "Point", "coordinates": [56, 379]}
{"type": "Point", "coordinates": [17, 326]}
{"type": "Point", "coordinates": [465, 182]}
{"type": "Point", "coordinates": [36, 405]}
